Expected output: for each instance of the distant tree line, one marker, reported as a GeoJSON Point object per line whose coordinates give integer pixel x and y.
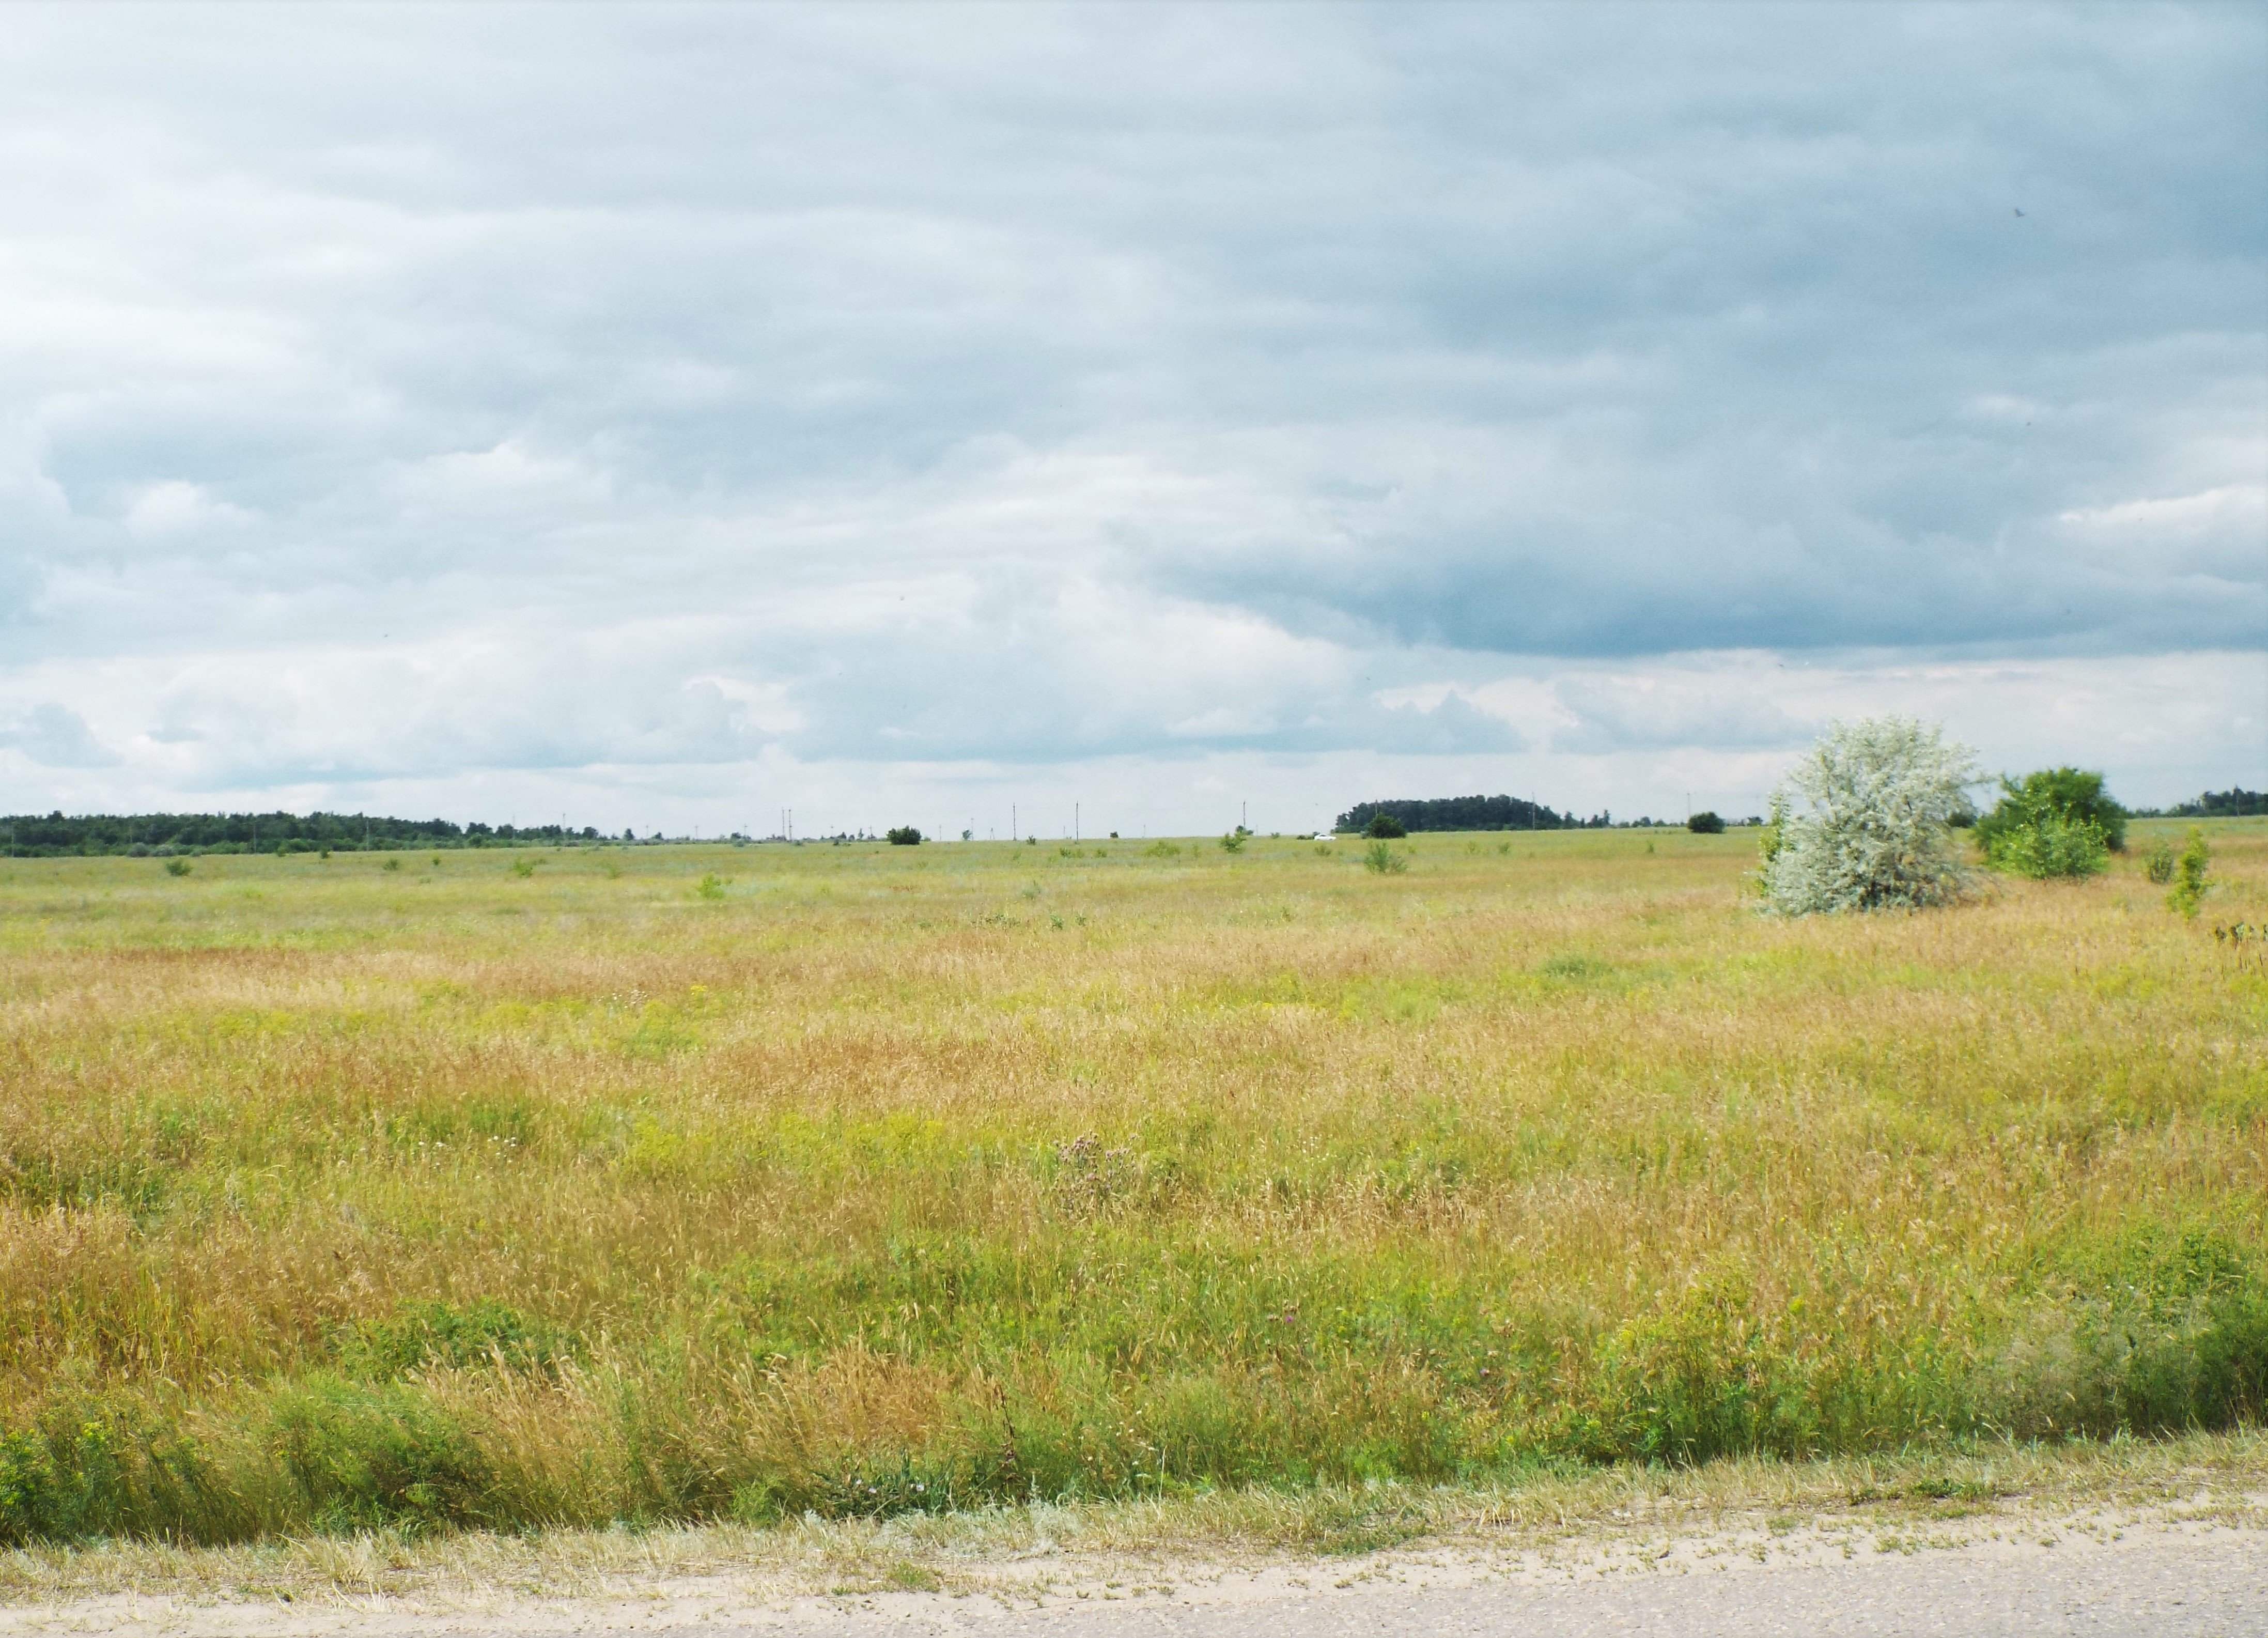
{"type": "Point", "coordinates": [1463, 813]}
{"type": "Point", "coordinates": [1510, 812]}
{"type": "Point", "coordinates": [2237, 804]}
{"type": "Point", "coordinates": [30, 836]}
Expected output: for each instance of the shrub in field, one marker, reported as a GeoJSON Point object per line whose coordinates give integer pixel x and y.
{"type": "Point", "coordinates": [1386, 828]}
{"type": "Point", "coordinates": [181, 867]}
{"type": "Point", "coordinates": [1864, 821]}
{"type": "Point", "coordinates": [711, 887]}
{"type": "Point", "coordinates": [2059, 821]}
{"type": "Point", "coordinates": [2158, 863]}
{"type": "Point", "coordinates": [905, 835]}
{"type": "Point", "coordinates": [2189, 875]}
{"type": "Point", "coordinates": [2052, 845]}
{"type": "Point", "coordinates": [1706, 824]}
{"type": "Point", "coordinates": [1234, 841]}
{"type": "Point", "coordinates": [525, 867]}
{"type": "Point", "coordinates": [1382, 859]}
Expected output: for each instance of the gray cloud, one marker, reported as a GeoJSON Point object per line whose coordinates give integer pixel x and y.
{"type": "Point", "coordinates": [55, 736]}
{"type": "Point", "coordinates": [408, 393]}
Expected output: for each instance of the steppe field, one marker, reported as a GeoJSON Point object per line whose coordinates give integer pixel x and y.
{"type": "Point", "coordinates": [536, 1188]}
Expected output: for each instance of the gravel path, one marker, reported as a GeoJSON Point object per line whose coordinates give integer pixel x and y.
{"type": "Point", "coordinates": [2168, 1581]}
{"type": "Point", "coordinates": [2211, 1588]}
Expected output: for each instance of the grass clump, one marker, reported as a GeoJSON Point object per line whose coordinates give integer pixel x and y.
{"type": "Point", "coordinates": [426, 1333]}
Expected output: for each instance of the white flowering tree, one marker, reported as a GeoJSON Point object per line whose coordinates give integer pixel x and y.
{"type": "Point", "coordinates": [1864, 821]}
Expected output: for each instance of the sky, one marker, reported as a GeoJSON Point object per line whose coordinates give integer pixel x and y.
{"type": "Point", "coordinates": [1140, 417]}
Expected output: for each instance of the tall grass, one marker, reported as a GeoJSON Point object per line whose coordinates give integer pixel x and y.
{"type": "Point", "coordinates": [705, 1183]}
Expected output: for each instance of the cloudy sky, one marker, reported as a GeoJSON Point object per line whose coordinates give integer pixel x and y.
{"type": "Point", "coordinates": [664, 417]}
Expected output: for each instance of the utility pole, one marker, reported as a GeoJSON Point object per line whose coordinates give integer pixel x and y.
{"type": "Point", "coordinates": [1011, 822]}
{"type": "Point", "coordinates": [1074, 822]}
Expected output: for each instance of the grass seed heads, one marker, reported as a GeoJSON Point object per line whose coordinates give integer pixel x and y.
{"type": "Point", "coordinates": [341, 1201]}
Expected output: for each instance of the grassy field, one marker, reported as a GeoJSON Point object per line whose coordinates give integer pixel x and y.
{"type": "Point", "coordinates": [567, 1187]}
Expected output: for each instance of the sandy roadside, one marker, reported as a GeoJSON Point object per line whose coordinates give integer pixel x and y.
{"type": "Point", "coordinates": [2173, 1568]}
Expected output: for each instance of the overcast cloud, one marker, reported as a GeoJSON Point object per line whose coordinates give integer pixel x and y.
{"type": "Point", "coordinates": [665, 415]}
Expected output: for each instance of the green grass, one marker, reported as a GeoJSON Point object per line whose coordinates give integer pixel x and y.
{"type": "Point", "coordinates": [709, 1183]}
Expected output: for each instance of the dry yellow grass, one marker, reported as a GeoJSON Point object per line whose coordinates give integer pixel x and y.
{"type": "Point", "coordinates": [868, 1179]}
{"type": "Point", "coordinates": [1894, 1503]}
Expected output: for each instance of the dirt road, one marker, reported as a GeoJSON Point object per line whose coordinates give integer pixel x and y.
{"type": "Point", "coordinates": [2156, 1581]}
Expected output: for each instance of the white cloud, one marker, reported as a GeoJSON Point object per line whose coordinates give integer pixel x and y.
{"type": "Point", "coordinates": [174, 507]}
{"type": "Point", "coordinates": [639, 401]}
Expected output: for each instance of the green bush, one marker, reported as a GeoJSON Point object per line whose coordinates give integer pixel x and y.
{"type": "Point", "coordinates": [366, 1458]}
{"type": "Point", "coordinates": [1386, 828]}
{"type": "Point", "coordinates": [178, 867]}
{"type": "Point", "coordinates": [2189, 875]}
{"type": "Point", "coordinates": [904, 836]}
{"type": "Point", "coordinates": [2068, 793]}
{"type": "Point", "coordinates": [2052, 845]}
{"type": "Point", "coordinates": [1382, 859]}
{"type": "Point", "coordinates": [1706, 824]}
{"type": "Point", "coordinates": [59, 1483]}
{"type": "Point", "coordinates": [2157, 864]}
